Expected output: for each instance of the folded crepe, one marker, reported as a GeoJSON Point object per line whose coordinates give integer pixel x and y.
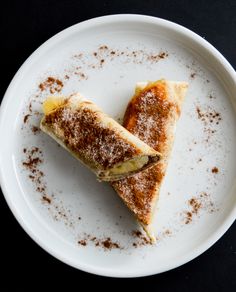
{"type": "Point", "coordinates": [151, 115]}
{"type": "Point", "coordinates": [94, 138]}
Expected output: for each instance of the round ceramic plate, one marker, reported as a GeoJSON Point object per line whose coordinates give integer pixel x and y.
{"type": "Point", "coordinates": [60, 203]}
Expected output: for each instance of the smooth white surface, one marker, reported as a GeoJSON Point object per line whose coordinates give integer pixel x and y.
{"type": "Point", "coordinates": [76, 190]}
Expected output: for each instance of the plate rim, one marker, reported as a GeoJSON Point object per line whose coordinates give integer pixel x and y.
{"type": "Point", "coordinates": [216, 235]}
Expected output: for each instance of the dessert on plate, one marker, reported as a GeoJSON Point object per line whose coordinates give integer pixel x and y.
{"type": "Point", "coordinates": [151, 115]}
{"type": "Point", "coordinates": [94, 138]}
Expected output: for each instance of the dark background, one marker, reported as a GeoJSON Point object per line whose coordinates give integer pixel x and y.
{"type": "Point", "coordinates": [27, 24]}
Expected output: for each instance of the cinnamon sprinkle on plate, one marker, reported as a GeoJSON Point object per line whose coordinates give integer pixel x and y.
{"type": "Point", "coordinates": [215, 170]}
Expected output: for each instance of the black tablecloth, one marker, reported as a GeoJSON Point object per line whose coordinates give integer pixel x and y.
{"type": "Point", "coordinates": [27, 24]}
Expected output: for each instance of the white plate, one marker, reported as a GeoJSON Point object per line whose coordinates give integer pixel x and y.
{"type": "Point", "coordinates": [200, 146]}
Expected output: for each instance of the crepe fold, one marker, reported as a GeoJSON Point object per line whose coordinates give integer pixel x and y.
{"type": "Point", "coordinates": [151, 115]}
{"type": "Point", "coordinates": [94, 138]}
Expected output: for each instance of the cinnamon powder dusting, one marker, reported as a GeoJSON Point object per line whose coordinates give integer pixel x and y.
{"type": "Point", "coordinates": [46, 199]}
{"type": "Point", "coordinates": [155, 58]}
{"type": "Point", "coordinates": [35, 130]}
{"type": "Point", "coordinates": [105, 243]}
{"type": "Point", "coordinates": [210, 119]}
{"type": "Point", "coordinates": [82, 242]}
{"type": "Point", "coordinates": [188, 218]}
{"type": "Point", "coordinates": [109, 244]}
{"type": "Point", "coordinates": [163, 55]}
{"type": "Point", "coordinates": [100, 56]}
{"type": "Point", "coordinates": [197, 204]}
{"type": "Point", "coordinates": [215, 170]}
{"type": "Point", "coordinates": [52, 84]}
{"type": "Point", "coordinates": [208, 116]}
{"type": "Point", "coordinates": [195, 207]}
{"type": "Point", "coordinates": [103, 54]}
{"type": "Point", "coordinates": [141, 240]}
{"type": "Point", "coordinates": [82, 131]}
{"type": "Point", "coordinates": [26, 117]}
{"type": "Point", "coordinates": [32, 164]}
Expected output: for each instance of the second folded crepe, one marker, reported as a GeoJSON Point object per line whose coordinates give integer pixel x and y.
{"type": "Point", "coordinates": [94, 138]}
{"type": "Point", "coordinates": [151, 115]}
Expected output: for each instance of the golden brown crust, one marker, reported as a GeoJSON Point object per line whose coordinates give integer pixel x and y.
{"type": "Point", "coordinates": [84, 134]}
{"type": "Point", "coordinates": [147, 114]}
{"type": "Point", "coordinates": [151, 115]}
{"type": "Point", "coordinates": [95, 139]}
{"type": "Point", "coordinates": [139, 190]}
